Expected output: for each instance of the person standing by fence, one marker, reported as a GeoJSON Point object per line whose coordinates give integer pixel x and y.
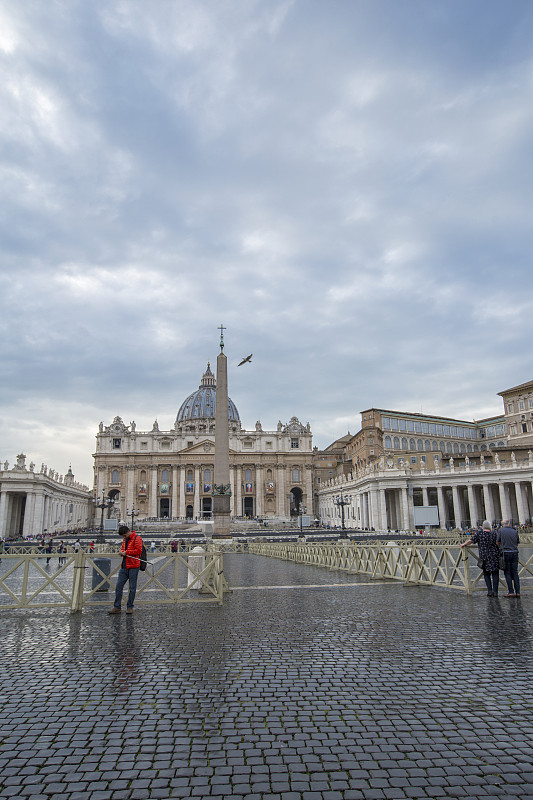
{"type": "Point", "coordinates": [489, 556]}
{"type": "Point", "coordinates": [131, 551]}
{"type": "Point", "coordinates": [508, 540]}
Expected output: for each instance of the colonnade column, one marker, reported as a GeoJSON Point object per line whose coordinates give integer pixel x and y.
{"type": "Point", "coordinates": [233, 490]}
{"type": "Point", "coordinates": [457, 516]}
{"type": "Point", "coordinates": [383, 507]}
{"type": "Point", "coordinates": [472, 505]}
{"type": "Point", "coordinates": [152, 511]}
{"type": "Point", "coordinates": [425, 500]}
{"type": "Point", "coordinates": [375, 507]}
{"type": "Point", "coordinates": [504, 501]}
{"type": "Point", "coordinates": [27, 527]}
{"type": "Point", "coordinates": [442, 506]}
{"type": "Point", "coordinates": [281, 492]}
{"type": "Point", "coordinates": [405, 509]}
{"type": "Point", "coordinates": [130, 485]}
{"type": "Point", "coordinates": [174, 512]}
{"type": "Point", "coordinates": [521, 505]}
{"type": "Point", "coordinates": [489, 505]}
{"type": "Point", "coordinates": [182, 492]}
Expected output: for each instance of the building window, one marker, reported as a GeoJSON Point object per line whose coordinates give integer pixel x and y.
{"type": "Point", "coordinates": [189, 475]}
{"type": "Point", "coordinates": [207, 476]}
{"type": "Point", "coordinates": [164, 476]}
{"type": "Point", "coordinates": [190, 444]}
{"type": "Point", "coordinates": [388, 442]}
{"type": "Point", "coordinates": [296, 474]}
{"type": "Point", "coordinates": [404, 443]}
{"type": "Point", "coordinates": [248, 475]}
{"type": "Point", "coordinates": [413, 459]}
{"type": "Point", "coordinates": [116, 444]}
{"type": "Point", "coordinates": [144, 445]}
{"type": "Point", "coordinates": [521, 405]}
{"type": "Point", "coordinates": [510, 408]}
{"type": "Point", "coordinates": [295, 444]}
{"type": "Point", "coordinates": [419, 444]}
{"type": "Point", "coordinates": [114, 476]}
{"type": "Point", "coordinates": [396, 443]}
{"type": "Point", "coordinates": [412, 444]}
{"type": "Point", "coordinates": [268, 445]}
{"type": "Point", "coordinates": [247, 444]}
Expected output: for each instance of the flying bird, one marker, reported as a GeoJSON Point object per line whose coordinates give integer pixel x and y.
{"type": "Point", "coordinates": [248, 358]}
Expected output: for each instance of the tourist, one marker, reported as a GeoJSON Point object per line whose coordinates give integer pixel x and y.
{"type": "Point", "coordinates": [77, 545]}
{"type": "Point", "coordinates": [508, 541]}
{"type": "Point", "coordinates": [489, 556]}
{"type": "Point", "coordinates": [49, 551]}
{"type": "Point", "coordinates": [61, 550]}
{"type": "Point", "coordinates": [131, 551]}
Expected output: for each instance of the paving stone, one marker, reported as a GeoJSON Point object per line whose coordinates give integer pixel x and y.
{"type": "Point", "coordinates": [257, 699]}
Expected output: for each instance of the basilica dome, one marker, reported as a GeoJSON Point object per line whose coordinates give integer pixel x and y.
{"type": "Point", "coordinates": [201, 403]}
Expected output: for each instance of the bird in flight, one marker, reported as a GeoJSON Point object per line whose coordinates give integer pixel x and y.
{"type": "Point", "coordinates": [248, 358]}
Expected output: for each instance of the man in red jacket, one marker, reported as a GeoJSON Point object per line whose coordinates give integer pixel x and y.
{"type": "Point", "coordinates": [131, 550]}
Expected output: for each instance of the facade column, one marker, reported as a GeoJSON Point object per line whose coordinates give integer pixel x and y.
{"type": "Point", "coordinates": [38, 514]}
{"type": "Point", "coordinates": [3, 513]}
{"type": "Point", "coordinates": [182, 492]}
{"type": "Point", "coordinates": [309, 490]}
{"type": "Point", "coordinates": [259, 492]}
{"type": "Point", "coordinates": [130, 486]}
{"type": "Point", "coordinates": [425, 500]}
{"type": "Point", "coordinates": [504, 501]}
{"type": "Point", "coordinates": [282, 502]}
{"type": "Point", "coordinates": [442, 506]}
{"type": "Point", "coordinates": [152, 511]}
{"type": "Point", "coordinates": [238, 502]}
{"type": "Point", "coordinates": [521, 505]}
{"type": "Point", "coordinates": [375, 509]}
{"type": "Point", "coordinates": [174, 511]}
{"type": "Point", "coordinates": [489, 505]}
{"type": "Point", "coordinates": [233, 498]}
{"type": "Point", "coordinates": [196, 505]}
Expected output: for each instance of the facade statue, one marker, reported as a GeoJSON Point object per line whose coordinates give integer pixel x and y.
{"type": "Point", "coordinates": [101, 427]}
{"type": "Point", "coordinates": [32, 466]}
{"type": "Point", "coordinates": [155, 426]}
{"type": "Point", "coordinates": [258, 426]}
{"type": "Point", "coordinates": [133, 426]}
{"type": "Point", "coordinates": [6, 464]}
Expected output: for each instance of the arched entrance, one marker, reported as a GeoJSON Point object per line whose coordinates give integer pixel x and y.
{"type": "Point", "coordinates": [188, 512]}
{"type": "Point", "coordinates": [296, 496]}
{"type": "Point", "coordinates": [207, 506]}
{"type": "Point", "coordinates": [164, 507]}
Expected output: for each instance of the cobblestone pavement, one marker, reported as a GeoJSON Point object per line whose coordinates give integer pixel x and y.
{"type": "Point", "coordinates": [336, 689]}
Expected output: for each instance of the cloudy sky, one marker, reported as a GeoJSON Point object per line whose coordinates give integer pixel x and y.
{"type": "Point", "coordinates": [346, 185]}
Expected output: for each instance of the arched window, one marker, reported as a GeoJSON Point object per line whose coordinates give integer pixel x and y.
{"type": "Point", "coordinates": [404, 443]}
{"type": "Point", "coordinates": [434, 445]}
{"type": "Point", "coordinates": [248, 475]}
{"type": "Point", "coordinates": [427, 444]}
{"type": "Point", "coordinates": [388, 441]}
{"type": "Point", "coordinates": [190, 476]}
{"type": "Point", "coordinates": [448, 447]}
{"type": "Point", "coordinates": [492, 446]}
{"type": "Point", "coordinates": [114, 476]}
{"type": "Point", "coordinates": [396, 443]}
{"type": "Point", "coordinates": [463, 447]}
{"type": "Point", "coordinates": [476, 448]}
{"type": "Point", "coordinates": [484, 447]}
{"type": "Point", "coordinates": [419, 444]}
{"type": "Point", "coordinates": [442, 447]}
{"type": "Point", "coordinates": [269, 474]}
{"type": "Point", "coordinates": [164, 476]}
{"type": "Point", "coordinates": [207, 476]}
{"type": "Point", "coordinates": [296, 474]}
{"type": "Point", "coordinates": [455, 447]}
{"type": "Point", "coordinates": [143, 476]}
{"type": "Point", "coordinates": [412, 444]}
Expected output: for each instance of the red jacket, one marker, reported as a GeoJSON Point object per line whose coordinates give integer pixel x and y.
{"type": "Point", "coordinates": [133, 550]}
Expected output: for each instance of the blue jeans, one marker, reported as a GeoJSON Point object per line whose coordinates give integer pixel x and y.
{"type": "Point", "coordinates": [492, 579]}
{"type": "Point", "coordinates": [124, 575]}
{"type": "Point", "coordinates": [511, 572]}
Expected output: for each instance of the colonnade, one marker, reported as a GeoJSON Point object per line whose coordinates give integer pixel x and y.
{"type": "Point", "coordinates": [386, 500]}
{"type": "Point", "coordinates": [30, 512]}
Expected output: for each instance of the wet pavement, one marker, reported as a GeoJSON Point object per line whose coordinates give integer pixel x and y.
{"type": "Point", "coordinates": [307, 684]}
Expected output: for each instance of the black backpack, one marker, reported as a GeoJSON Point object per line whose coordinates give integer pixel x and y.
{"type": "Point", "coordinates": [144, 559]}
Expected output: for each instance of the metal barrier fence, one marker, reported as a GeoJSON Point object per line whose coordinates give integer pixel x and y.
{"type": "Point", "coordinates": [75, 580]}
{"type": "Point", "coordinates": [412, 563]}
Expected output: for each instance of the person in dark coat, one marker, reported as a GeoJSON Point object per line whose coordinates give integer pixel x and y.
{"type": "Point", "coordinates": [489, 555]}
{"type": "Point", "coordinates": [508, 540]}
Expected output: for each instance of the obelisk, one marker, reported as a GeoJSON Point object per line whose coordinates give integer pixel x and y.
{"type": "Point", "coordinates": [221, 484]}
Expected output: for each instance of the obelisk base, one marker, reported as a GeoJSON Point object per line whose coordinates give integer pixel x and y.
{"type": "Point", "coordinates": [221, 517]}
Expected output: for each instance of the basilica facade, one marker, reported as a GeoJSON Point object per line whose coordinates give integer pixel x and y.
{"type": "Point", "coordinates": [170, 473]}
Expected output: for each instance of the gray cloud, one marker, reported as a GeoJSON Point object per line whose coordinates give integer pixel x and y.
{"type": "Point", "coordinates": [347, 187]}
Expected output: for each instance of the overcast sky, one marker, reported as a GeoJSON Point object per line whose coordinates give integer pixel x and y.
{"type": "Point", "coordinates": [346, 185]}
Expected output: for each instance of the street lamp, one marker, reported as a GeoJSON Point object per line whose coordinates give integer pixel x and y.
{"type": "Point", "coordinates": [340, 501]}
{"type": "Point", "coordinates": [133, 513]}
{"type": "Point", "coordinates": [301, 511]}
{"type": "Point", "coordinates": [103, 502]}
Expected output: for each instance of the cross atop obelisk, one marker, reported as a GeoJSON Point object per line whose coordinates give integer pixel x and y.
{"type": "Point", "coordinates": [221, 484]}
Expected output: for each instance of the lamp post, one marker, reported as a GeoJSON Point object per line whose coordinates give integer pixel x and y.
{"type": "Point", "coordinates": [103, 502]}
{"type": "Point", "coordinates": [132, 513]}
{"type": "Point", "coordinates": [340, 501]}
{"type": "Point", "coordinates": [301, 511]}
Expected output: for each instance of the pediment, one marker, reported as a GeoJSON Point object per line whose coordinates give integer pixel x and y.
{"type": "Point", "coordinates": [204, 447]}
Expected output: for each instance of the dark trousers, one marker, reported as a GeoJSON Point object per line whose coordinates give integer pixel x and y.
{"type": "Point", "coordinates": [511, 572]}
{"type": "Point", "coordinates": [492, 579]}
{"type": "Point", "coordinates": [125, 575]}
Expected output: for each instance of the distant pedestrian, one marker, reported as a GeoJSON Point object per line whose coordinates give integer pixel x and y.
{"type": "Point", "coordinates": [77, 545]}
{"type": "Point", "coordinates": [91, 547]}
{"type": "Point", "coordinates": [152, 547]}
{"type": "Point", "coordinates": [508, 540]}
{"type": "Point", "coordinates": [61, 551]}
{"type": "Point", "coordinates": [131, 551]}
{"type": "Point", "coordinates": [174, 546]}
{"type": "Point", "coordinates": [49, 551]}
{"type": "Point", "coordinates": [489, 556]}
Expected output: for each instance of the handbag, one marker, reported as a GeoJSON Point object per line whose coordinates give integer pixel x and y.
{"type": "Point", "coordinates": [481, 563]}
{"type": "Point", "coordinates": [502, 560]}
